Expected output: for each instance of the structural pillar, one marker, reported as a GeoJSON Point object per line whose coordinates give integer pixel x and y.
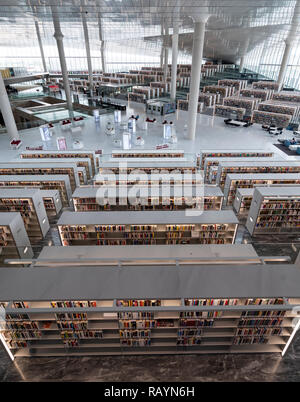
{"type": "Point", "coordinates": [88, 51]}
{"type": "Point", "coordinates": [7, 113]}
{"type": "Point", "coordinates": [40, 44]}
{"type": "Point", "coordinates": [293, 34]}
{"type": "Point", "coordinates": [102, 47]}
{"type": "Point", "coordinates": [241, 66]}
{"type": "Point", "coordinates": [162, 47]}
{"type": "Point", "coordinates": [166, 55]}
{"type": "Point", "coordinates": [60, 47]}
{"type": "Point", "coordinates": [284, 62]}
{"type": "Point", "coordinates": [174, 62]}
{"type": "Point", "coordinates": [198, 44]}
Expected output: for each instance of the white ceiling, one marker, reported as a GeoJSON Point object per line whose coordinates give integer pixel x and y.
{"type": "Point", "coordinates": [232, 23]}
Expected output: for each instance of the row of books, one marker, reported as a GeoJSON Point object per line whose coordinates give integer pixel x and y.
{"type": "Point", "coordinates": [71, 316]}
{"type": "Point", "coordinates": [28, 334]}
{"type": "Point", "coordinates": [188, 341]}
{"type": "Point", "coordinates": [81, 334]}
{"type": "Point", "coordinates": [286, 205]}
{"type": "Point", "coordinates": [266, 313]}
{"type": "Point", "coordinates": [135, 333]}
{"type": "Point", "coordinates": [138, 303]}
{"type": "Point", "coordinates": [260, 322]}
{"type": "Point", "coordinates": [72, 303]}
{"type": "Point", "coordinates": [210, 302]}
{"type": "Point", "coordinates": [184, 332]}
{"type": "Point", "coordinates": [258, 331]}
{"type": "Point", "coordinates": [135, 315]}
{"type": "Point", "coordinates": [137, 324]}
{"type": "Point", "coordinates": [75, 325]}
{"type": "Point", "coordinates": [249, 340]}
{"type": "Point", "coordinates": [196, 323]}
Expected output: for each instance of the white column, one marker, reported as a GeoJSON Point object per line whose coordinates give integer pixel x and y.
{"type": "Point", "coordinates": [7, 113]}
{"type": "Point", "coordinates": [241, 66]}
{"type": "Point", "coordinates": [198, 44]}
{"type": "Point", "coordinates": [166, 70]}
{"type": "Point", "coordinates": [60, 47]}
{"type": "Point", "coordinates": [174, 61]}
{"type": "Point", "coordinates": [88, 51]}
{"type": "Point", "coordinates": [40, 44]}
{"type": "Point", "coordinates": [102, 47]}
{"type": "Point", "coordinates": [162, 47]}
{"type": "Point", "coordinates": [284, 63]}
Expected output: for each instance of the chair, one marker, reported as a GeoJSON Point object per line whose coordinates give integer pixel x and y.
{"type": "Point", "coordinates": [287, 143]}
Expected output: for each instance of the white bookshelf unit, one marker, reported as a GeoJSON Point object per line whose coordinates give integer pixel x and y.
{"type": "Point", "coordinates": [227, 153]}
{"type": "Point", "coordinates": [215, 162]}
{"type": "Point", "coordinates": [242, 201]}
{"type": "Point", "coordinates": [14, 242]}
{"type": "Point", "coordinates": [64, 154]}
{"type": "Point", "coordinates": [82, 176]}
{"type": "Point", "coordinates": [275, 210]}
{"type": "Point", "coordinates": [148, 153]}
{"type": "Point", "coordinates": [235, 180]}
{"type": "Point", "coordinates": [213, 309]}
{"type": "Point", "coordinates": [180, 178]}
{"type": "Point", "coordinates": [146, 227]}
{"type": "Point", "coordinates": [150, 255]}
{"type": "Point", "coordinates": [254, 167]}
{"type": "Point", "coordinates": [52, 202]}
{"type": "Point", "coordinates": [52, 168]}
{"type": "Point", "coordinates": [29, 203]}
{"type": "Point", "coordinates": [43, 182]}
{"type": "Point", "coordinates": [92, 199]}
{"type": "Point", "coordinates": [148, 167]}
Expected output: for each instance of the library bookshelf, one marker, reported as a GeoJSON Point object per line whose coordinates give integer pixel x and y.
{"type": "Point", "coordinates": [234, 181]}
{"type": "Point", "coordinates": [278, 119]}
{"type": "Point", "coordinates": [274, 210]}
{"type": "Point", "coordinates": [156, 198]}
{"type": "Point", "coordinates": [215, 162]}
{"type": "Point", "coordinates": [148, 167]}
{"type": "Point", "coordinates": [146, 227]}
{"type": "Point", "coordinates": [226, 153]}
{"type": "Point", "coordinates": [29, 203]}
{"type": "Point", "coordinates": [168, 319]}
{"type": "Point", "coordinates": [254, 167]}
{"type": "Point", "coordinates": [82, 176]}
{"type": "Point", "coordinates": [14, 241]}
{"type": "Point", "coordinates": [21, 168]}
{"type": "Point", "coordinates": [242, 201]}
{"type": "Point", "coordinates": [52, 202]}
{"type": "Point", "coordinates": [151, 153]}
{"type": "Point", "coordinates": [180, 178]}
{"type": "Point", "coordinates": [80, 163]}
{"type": "Point", "coordinates": [61, 183]}
{"type": "Point", "coordinates": [150, 255]}
{"type": "Point", "coordinates": [64, 154]}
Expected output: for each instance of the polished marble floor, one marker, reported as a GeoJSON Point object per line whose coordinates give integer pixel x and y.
{"type": "Point", "coordinates": [211, 134]}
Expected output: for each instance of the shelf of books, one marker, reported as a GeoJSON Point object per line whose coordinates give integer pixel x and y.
{"type": "Point", "coordinates": [148, 167]}
{"type": "Point", "coordinates": [278, 119]}
{"type": "Point", "coordinates": [136, 97]}
{"type": "Point", "coordinates": [155, 153]}
{"type": "Point", "coordinates": [183, 104]}
{"type": "Point", "coordinates": [61, 183]}
{"type": "Point", "coordinates": [225, 168]}
{"type": "Point", "coordinates": [211, 165]}
{"type": "Point", "coordinates": [150, 255]}
{"type": "Point", "coordinates": [229, 111]}
{"type": "Point", "coordinates": [147, 326]}
{"type": "Point", "coordinates": [261, 94]}
{"type": "Point", "coordinates": [235, 181]}
{"type": "Point", "coordinates": [275, 210]}
{"type": "Point", "coordinates": [269, 106]}
{"type": "Point", "coordinates": [249, 104]}
{"type": "Point", "coordinates": [159, 198]}
{"type": "Point", "coordinates": [29, 203]}
{"type": "Point", "coordinates": [153, 179]}
{"type": "Point", "coordinates": [82, 177]}
{"type": "Point", "coordinates": [64, 154]}
{"type": "Point", "coordinates": [269, 85]}
{"type": "Point", "coordinates": [208, 99]}
{"type": "Point", "coordinates": [52, 202]}
{"type": "Point", "coordinates": [238, 153]}
{"type": "Point", "coordinates": [21, 168]}
{"type": "Point", "coordinates": [14, 241]}
{"type": "Point", "coordinates": [287, 96]}
{"type": "Point", "coordinates": [147, 227]}
{"type": "Point", "coordinates": [220, 90]}
{"type": "Point", "coordinates": [242, 202]}
{"type": "Point", "coordinates": [237, 84]}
